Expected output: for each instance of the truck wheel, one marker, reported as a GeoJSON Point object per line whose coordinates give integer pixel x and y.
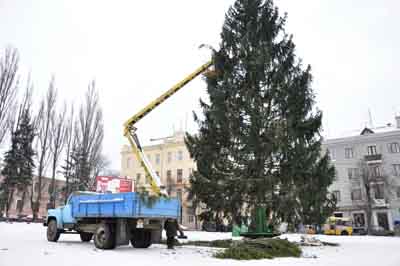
{"type": "Point", "coordinates": [104, 238]}
{"type": "Point", "coordinates": [141, 239]}
{"type": "Point", "coordinates": [52, 232]}
{"type": "Point", "coordinates": [86, 237]}
{"type": "Point", "coordinates": [345, 233]}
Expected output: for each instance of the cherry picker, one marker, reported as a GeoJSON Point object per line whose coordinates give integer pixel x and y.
{"type": "Point", "coordinates": [130, 129]}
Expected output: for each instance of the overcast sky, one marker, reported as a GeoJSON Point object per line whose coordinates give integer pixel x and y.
{"type": "Point", "coordinates": [135, 50]}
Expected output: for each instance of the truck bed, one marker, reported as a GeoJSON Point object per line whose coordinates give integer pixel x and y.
{"type": "Point", "coordinates": [123, 205]}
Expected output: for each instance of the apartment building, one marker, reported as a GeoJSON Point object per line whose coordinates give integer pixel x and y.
{"type": "Point", "coordinates": [379, 150]}
{"type": "Point", "coordinates": [18, 202]}
{"type": "Point", "coordinates": [172, 163]}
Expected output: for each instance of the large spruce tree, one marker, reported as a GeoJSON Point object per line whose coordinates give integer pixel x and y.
{"type": "Point", "coordinates": [259, 140]}
{"type": "Point", "coordinates": [18, 161]}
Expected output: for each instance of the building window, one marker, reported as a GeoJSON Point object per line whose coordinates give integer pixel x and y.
{"type": "Point", "coordinates": [359, 219]}
{"type": "Point", "coordinates": [137, 178]}
{"type": "Point", "coordinates": [371, 150]}
{"type": "Point", "coordinates": [179, 195]}
{"type": "Point", "coordinates": [157, 158]}
{"type": "Point", "coordinates": [356, 194]}
{"type": "Point", "coordinates": [352, 173]}
{"type": "Point", "coordinates": [398, 192]}
{"type": "Point", "coordinates": [169, 157]}
{"type": "Point", "coordinates": [348, 153]}
{"type": "Point", "coordinates": [190, 219]}
{"type": "Point", "coordinates": [396, 169]}
{"type": "Point", "coordinates": [169, 178]}
{"type": "Point", "coordinates": [179, 175]}
{"type": "Point", "coordinates": [179, 156]}
{"type": "Point", "coordinates": [375, 171]}
{"type": "Point", "coordinates": [394, 147]}
{"type": "Point", "coordinates": [336, 193]}
{"type": "Point", "coordinates": [379, 191]}
{"type": "Point", "coordinates": [158, 173]}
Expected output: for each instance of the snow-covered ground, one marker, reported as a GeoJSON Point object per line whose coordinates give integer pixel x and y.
{"type": "Point", "coordinates": [25, 244]}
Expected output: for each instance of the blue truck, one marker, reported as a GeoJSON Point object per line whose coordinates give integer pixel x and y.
{"type": "Point", "coordinates": [112, 219]}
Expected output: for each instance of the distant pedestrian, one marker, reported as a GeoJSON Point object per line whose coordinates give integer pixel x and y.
{"type": "Point", "coordinates": [171, 227]}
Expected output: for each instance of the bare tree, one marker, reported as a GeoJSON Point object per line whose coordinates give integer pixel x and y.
{"type": "Point", "coordinates": [89, 133]}
{"type": "Point", "coordinates": [101, 166]}
{"type": "Point", "coordinates": [378, 188]}
{"type": "Point", "coordinates": [69, 138]}
{"type": "Point", "coordinates": [8, 89]}
{"type": "Point", "coordinates": [58, 132]}
{"type": "Point", "coordinates": [44, 138]}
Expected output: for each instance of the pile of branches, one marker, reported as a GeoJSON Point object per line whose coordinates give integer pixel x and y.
{"type": "Point", "coordinates": [262, 248]}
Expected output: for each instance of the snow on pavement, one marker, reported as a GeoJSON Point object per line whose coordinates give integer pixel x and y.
{"type": "Point", "coordinates": [25, 244]}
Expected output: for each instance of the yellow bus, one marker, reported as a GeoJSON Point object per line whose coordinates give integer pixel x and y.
{"type": "Point", "coordinates": [338, 226]}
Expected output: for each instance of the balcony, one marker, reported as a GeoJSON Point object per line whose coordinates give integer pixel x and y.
{"type": "Point", "coordinates": [380, 203]}
{"type": "Point", "coordinates": [373, 158]}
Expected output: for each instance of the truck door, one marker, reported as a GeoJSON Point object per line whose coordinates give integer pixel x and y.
{"type": "Point", "coordinates": [67, 214]}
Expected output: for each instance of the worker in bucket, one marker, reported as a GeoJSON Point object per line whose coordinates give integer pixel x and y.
{"type": "Point", "coordinates": [171, 227]}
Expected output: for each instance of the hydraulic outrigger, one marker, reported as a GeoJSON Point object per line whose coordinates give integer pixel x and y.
{"type": "Point", "coordinates": [130, 130]}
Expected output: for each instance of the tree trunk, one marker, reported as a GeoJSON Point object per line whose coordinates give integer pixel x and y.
{"type": "Point", "coordinates": [53, 184]}
{"type": "Point", "coordinates": [66, 189]}
{"type": "Point", "coordinates": [368, 209]}
{"type": "Point", "coordinates": [36, 203]}
{"type": "Point", "coordinates": [9, 200]}
{"type": "Point", "coordinates": [21, 208]}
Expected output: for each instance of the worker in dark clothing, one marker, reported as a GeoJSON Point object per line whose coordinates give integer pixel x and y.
{"type": "Point", "coordinates": [171, 227]}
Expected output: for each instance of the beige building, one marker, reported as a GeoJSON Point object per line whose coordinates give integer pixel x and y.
{"type": "Point", "coordinates": [171, 161]}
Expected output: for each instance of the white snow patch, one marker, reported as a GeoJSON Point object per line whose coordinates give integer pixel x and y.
{"type": "Point", "coordinates": [26, 245]}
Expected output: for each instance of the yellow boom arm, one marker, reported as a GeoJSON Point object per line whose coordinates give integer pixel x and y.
{"type": "Point", "coordinates": [130, 129]}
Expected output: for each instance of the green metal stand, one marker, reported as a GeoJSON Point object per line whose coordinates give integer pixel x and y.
{"type": "Point", "coordinates": [262, 228]}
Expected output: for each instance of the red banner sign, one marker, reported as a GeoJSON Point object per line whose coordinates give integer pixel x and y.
{"type": "Point", "coordinates": [113, 184]}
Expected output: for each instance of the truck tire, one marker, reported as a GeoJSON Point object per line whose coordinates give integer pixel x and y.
{"type": "Point", "coordinates": [104, 238]}
{"type": "Point", "coordinates": [53, 234]}
{"type": "Point", "coordinates": [86, 237]}
{"type": "Point", "coordinates": [141, 238]}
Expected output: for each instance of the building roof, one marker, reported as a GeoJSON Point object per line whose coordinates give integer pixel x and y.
{"type": "Point", "coordinates": [388, 129]}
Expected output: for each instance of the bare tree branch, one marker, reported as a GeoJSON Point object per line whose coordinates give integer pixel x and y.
{"type": "Point", "coordinates": [44, 118]}
{"type": "Point", "coordinates": [57, 132]}
{"type": "Point", "coordinates": [8, 90]}
{"type": "Point", "coordinates": [90, 133]}
{"type": "Point", "coordinates": [68, 140]}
